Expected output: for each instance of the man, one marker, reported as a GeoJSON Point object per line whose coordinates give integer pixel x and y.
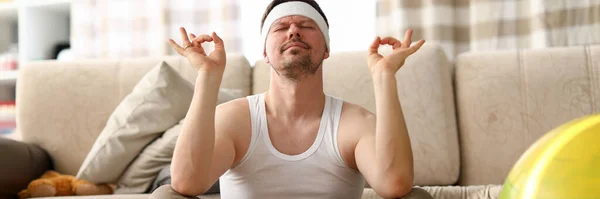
{"type": "Point", "coordinates": [293, 141]}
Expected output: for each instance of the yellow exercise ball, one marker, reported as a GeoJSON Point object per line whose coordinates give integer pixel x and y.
{"type": "Point", "coordinates": [564, 163]}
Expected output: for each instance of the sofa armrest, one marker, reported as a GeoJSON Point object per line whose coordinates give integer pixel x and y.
{"type": "Point", "coordinates": [20, 163]}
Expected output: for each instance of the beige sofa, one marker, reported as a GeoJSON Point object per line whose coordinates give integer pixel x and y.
{"type": "Point", "coordinates": [469, 122]}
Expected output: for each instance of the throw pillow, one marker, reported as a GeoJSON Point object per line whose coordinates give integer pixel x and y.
{"type": "Point", "coordinates": [158, 101]}
{"type": "Point", "coordinates": [139, 176]}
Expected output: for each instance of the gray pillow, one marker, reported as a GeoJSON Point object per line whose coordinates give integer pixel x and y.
{"type": "Point", "coordinates": [139, 175]}
{"type": "Point", "coordinates": [158, 101]}
{"type": "Point", "coordinates": [164, 177]}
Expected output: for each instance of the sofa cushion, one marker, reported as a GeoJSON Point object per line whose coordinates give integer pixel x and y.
{"type": "Point", "coordinates": [508, 99]}
{"type": "Point", "coordinates": [124, 196]}
{"type": "Point", "coordinates": [159, 100]}
{"type": "Point", "coordinates": [63, 106]}
{"type": "Point", "coordinates": [438, 192]}
{"type": "Point", "coordinates": [465, 192]}
{"type": "Point", "coordinates": [427, 99]}
{"type": "Point", "coordinates": [121, 196]}
{"type": "Point", "coordinates": [452, 192]}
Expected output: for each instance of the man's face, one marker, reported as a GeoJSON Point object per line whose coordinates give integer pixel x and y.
{"type": "Point", "coordinates": [295, 47]}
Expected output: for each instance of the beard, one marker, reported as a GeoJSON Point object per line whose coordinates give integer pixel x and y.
{"type": "Point", "coordinates": [295, 68]}
{"type": "Point", "coordinates": [299, 65]}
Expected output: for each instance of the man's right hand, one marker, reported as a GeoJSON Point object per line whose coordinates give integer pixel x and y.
{"type": "Point", "coordinates": [193, 51]}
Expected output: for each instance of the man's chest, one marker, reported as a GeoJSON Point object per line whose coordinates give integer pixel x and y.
{"type": "Point", "coordinates": [294, 139]}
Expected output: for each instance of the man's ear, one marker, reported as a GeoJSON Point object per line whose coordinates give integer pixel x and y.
{"type": "Point", "coordinates": [326, 54]}
{"type": "Point", "coordinates": [265, 57]}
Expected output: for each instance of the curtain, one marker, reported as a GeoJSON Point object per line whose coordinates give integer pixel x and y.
{"type": "Point", "coordinates": [480, 25]}
{"type": "Point", "coordinates": [139, 28]}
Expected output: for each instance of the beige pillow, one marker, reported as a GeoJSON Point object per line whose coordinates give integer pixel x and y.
{"type": "Point", "coordinates": [159, 100]}
{"type": "Point", "coordinates": [138, 177]}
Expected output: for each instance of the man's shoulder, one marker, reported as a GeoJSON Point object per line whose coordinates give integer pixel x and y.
{"type": "Point", "coordinates": [233, 107]}
{"type": "Point", "coordinates": [233, 112]}
{"type": "Point", "coordinates": [356, 111]}
{"type": "Point", "coordinates": [232, 118]}
{"type": "Point", "coordinates": [357, 119]}
{"type": "Point", "coordinates": [355, 123]}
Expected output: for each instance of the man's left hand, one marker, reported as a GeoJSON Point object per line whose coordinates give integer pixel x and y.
{"type": "Point", "coordinates": [392, 62]}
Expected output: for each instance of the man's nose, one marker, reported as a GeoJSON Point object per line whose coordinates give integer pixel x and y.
{"type": "Point", "coordinates": [294, 31]}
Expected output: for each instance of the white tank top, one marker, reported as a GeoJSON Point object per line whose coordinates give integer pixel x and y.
{"type": "Point", "coordinates": [319, 172]}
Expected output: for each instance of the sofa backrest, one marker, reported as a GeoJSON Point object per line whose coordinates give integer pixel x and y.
{"type": "Point", "coordinates": [63, 106]}
{"type": "Point", "coordinates": [425, 90]}
{"type": "Point", "coordinates": [506, 100]}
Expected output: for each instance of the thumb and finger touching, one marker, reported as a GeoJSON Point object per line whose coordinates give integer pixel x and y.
{"type": "Point", "coordinates": [191, 40]}
{"type": "Point", "coordinates": [400, 49]}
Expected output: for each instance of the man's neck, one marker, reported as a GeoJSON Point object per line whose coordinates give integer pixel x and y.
{"type": "Point", "coordinates": [290, 101]}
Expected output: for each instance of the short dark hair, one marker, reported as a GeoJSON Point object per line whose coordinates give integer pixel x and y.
{"type": "Point", "coordinates": [274, 3]}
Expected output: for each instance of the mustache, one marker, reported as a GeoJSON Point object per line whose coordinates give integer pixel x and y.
{"type": "Point", "coordinates": [286, 44]}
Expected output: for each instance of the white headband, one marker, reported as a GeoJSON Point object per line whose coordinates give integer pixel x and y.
{"type": "Point", "coordinates": [294, 8]}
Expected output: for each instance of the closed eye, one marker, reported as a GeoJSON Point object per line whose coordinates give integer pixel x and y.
{"type": "Point", "coordinates": [280, 29]}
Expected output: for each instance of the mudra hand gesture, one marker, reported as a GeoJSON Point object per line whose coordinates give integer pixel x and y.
{"type": "Point", "coordinates": [391, 63]}
{"type": "Point", "coordinates": [195, 54]}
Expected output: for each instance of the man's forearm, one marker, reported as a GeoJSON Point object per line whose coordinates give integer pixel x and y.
{"type": "Point", "coordinates": [192, 157]}
{"type": "Point", "coordinates": [392, 145]}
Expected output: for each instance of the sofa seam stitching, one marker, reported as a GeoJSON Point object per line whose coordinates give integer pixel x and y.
{"type": "Point", "coordinates": [523, 91]}
{"type": "Point", "coordinates": [591, 76]}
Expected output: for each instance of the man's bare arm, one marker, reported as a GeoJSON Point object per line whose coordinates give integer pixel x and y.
{"type": "Point", "coordinates": [194, 162]}
{"type": "Point", "coordinates": [385, 158]}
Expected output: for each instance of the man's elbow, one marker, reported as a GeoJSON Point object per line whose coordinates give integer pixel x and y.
{"type": "Point", "coordinates": [187, 188]}
{"type": "Point", "coordinates": [395, 188]}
